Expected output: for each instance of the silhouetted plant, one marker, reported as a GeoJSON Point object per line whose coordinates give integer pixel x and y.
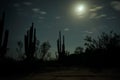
{"type": "Point", "coordinates": [48, 56]}
{"type": "Point", "coordinates": [19, 50]}
{"type": "Point", "coordinates": [44, 48]}
{"type": "Point", "coordinates": [37, 49]}
{"type": "Point", "coordinates": [3, 40]}
{"type": "Point", "coordinates": [78, 50]}
{"type": "Point", "coordinates": [30, 43]}
{"type": "Point", "coordinates": [61, 47]}
{"type": "Point", "coordinates": [67, 53]}
{"type": "Point", "coordinates": [104, 41]}
{"type": "Point", "coordinates": [104, 49]}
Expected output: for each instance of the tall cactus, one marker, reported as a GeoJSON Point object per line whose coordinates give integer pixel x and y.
{"type": "Point", "coordinates": [30, 42]}
{"type": "Point", "coordinates": [3, 40]}
{"type": "Point", "coordinates": [61, 47]}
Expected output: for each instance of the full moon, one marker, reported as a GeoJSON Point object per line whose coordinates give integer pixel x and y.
{"type": "Point", "coordinates": [80, 10]}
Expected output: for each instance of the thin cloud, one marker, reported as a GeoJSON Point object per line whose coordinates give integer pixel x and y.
{"type": "Point", "coordinates": [101, 16]}
{"type": "Point", "coordinates": [116, 5]}
{"type": "Point", "coordinates": [39, 11]}
{"type": "Point", "coordinates": [96, 8]}
{"type": "Point", "coordinates": [58, 17]}
{"type": "Point", "coordinates": [27, 3]}
{"type": "Point", "coordinates": [94, 13]}
{"type": "Point", "coordinates": [43, 12]}
{"type": "Point", "coordinates": [66, 29]}
{"type": "Point", "coordinates": [36, 9]}
{"type": "Point", "coordinates": [88, 32]}
{"type": "Point", "coordinates": [97, 16]}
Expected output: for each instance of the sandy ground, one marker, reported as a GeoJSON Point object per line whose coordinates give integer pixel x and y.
{"type": "Point", "coordinates": [70, 74]}
{"type": "Point", "coordinates": [74, 74]}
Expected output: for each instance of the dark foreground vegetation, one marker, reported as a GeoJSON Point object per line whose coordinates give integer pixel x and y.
{"type": "Point", "coordinates": [100, 53]}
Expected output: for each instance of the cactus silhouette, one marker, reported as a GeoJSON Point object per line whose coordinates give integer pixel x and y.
{"type": "Point", "coordinates": [3, 37]}
{"type": "Point", "coordinates": [61, 47]}
{"type": "Point", "coordinates": [30, 42]}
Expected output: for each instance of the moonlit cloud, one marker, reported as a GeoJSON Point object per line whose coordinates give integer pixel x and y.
{"type": "Point", "coordinates": [27, 3]}
{"type": "Point", "coordinates": [43, 12]}
{"type": "Point", "coordinates": [96, 8]}
{"type": "Point", "coordinates": [101, 16]}
{"type": "Point", "coordinates": [66, 29]}
{"type": "Point", "coordinates": [58, 17]}
{"type": "Point", "coordinates": [116, 5]}
{"type": "Point", "coordinates": [97, 16]}
{"type": "Point", "coordinates": [39, 11]}
{"type": "Point", "coordinates": [36, 9]}
{"type": "Point", "coordinates": [88, 32]}
{"type": "Point", "coordinates": [16, 5]}
{"type": "Point", "coordinates": [94, 13]}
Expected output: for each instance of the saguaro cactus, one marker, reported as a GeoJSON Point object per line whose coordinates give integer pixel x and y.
{"type": "Point", "coordinates": [30, 42]}
{"type": "Point", "coordinates": [61, 47]}
{"type": "Point", "coordinates": [3, 37]}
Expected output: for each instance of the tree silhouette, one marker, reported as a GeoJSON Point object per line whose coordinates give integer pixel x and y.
{"type": "Point", "coordinates": [78, 50]}
{"type": "Point", "coordinates": [19, 50]}
{"type": "Point", "coordinates": [104, 41]}
{"type": "Point", "coordinates": [104, 50]}
{"type": "Point", "coordinates": [44, 48]}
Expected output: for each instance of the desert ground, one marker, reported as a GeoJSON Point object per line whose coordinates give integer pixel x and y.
{"type": "Point", "coordinates": [71, 74]}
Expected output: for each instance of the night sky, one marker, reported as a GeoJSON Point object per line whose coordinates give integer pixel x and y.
{"type": "Point", "coordinates": [50, 16]}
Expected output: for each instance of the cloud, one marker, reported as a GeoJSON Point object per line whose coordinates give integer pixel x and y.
{"type": "Point", "coordinates": [97, 8]}
{"type": "Point", "coordinates": [66, 29]}
{"type": "Point", "coordinates": [88, 32]}
{"type": "Point", "coordinates": [94, 13]}
{"type": "Point", "coordinates": [36, 9]}
{"type": "Point", "coordinates": [116, 5]}
{"type": "Point", "coordinates": [27, 3]}
{"type": "Point", "coordinates": [97, 16]}
{"type": "Point", "coordinates": [43, 12]}
{"type": "Point", "coordinates": [16, 5]}
{"type": "Point", "coordinates": [58, 17]}
{"type": "Point", "coordinates": [101, 16]}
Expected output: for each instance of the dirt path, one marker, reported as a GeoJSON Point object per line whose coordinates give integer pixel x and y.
{"type": "Point", "coordinates": [74, 75]}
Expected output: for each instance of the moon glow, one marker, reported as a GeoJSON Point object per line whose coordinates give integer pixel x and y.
{"type": "Point", "coordinates": [80, 10]}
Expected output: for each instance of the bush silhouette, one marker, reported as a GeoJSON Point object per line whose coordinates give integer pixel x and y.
{"type": "Point", "coordinates": [44, 48]}
{"type": "Point", "coordinates": [104, 50]}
